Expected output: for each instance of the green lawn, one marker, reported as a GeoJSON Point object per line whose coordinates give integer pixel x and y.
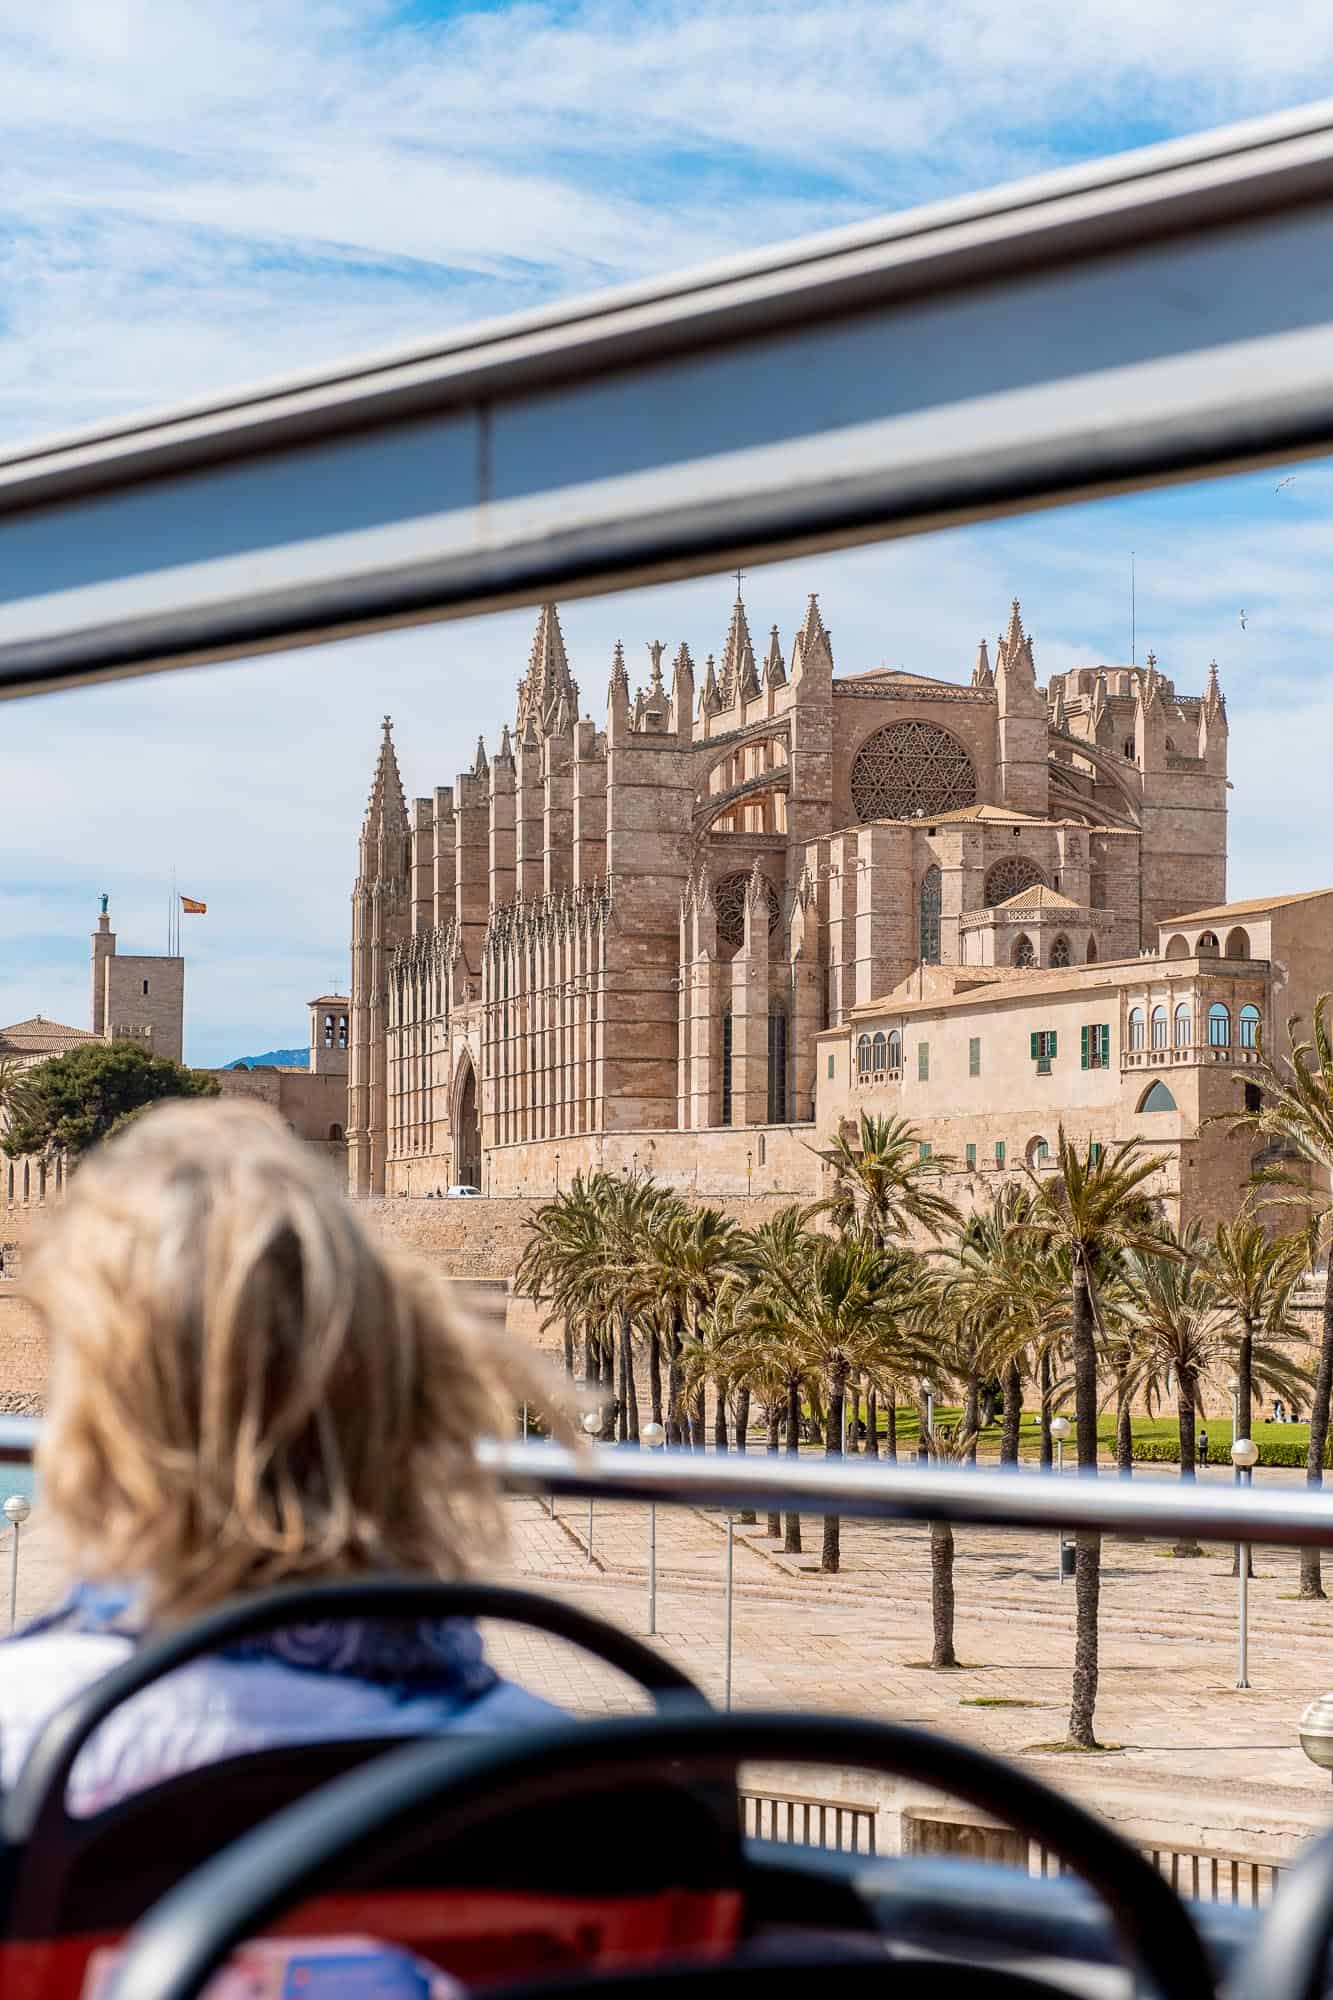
{"type": "Point", "coordinates": [1156, 1439]}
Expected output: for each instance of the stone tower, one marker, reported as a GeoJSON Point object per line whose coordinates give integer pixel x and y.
{"type": "Point", "coordinates": [381, 905]}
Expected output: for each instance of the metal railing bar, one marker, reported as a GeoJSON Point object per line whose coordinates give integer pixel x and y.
{"type": "Point", "coordinates": [1293, 1517]}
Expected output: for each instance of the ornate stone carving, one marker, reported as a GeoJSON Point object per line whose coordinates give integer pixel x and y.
{"type": "Point", "coordinates": [911, 770]}
{"type": "Point", "coordinates": [729, 902]}
{"type": "Point", "coordinates": [1010, 877]}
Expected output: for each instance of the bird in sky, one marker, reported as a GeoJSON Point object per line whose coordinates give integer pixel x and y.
{"type": "Point", "coordinates": [1242, 617]}
{"type": "Point", "coordinates": [1284, 482]}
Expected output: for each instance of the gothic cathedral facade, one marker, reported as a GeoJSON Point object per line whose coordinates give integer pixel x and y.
{"type": "Point", "coordinates": [616, 946]}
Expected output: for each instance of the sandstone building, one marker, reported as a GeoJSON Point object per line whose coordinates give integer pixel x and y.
{"type": "Point", "coordinates": [619, 941]}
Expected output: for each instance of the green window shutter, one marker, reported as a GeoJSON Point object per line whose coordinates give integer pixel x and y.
{"type": "Point", "coordinates": [830, 1065]}
{"type": "Point", "coordinates": [1104, 1039]}
{"type": "Point", "coordinates": [1050, 1044]}
{"type": "Point", "coordinates": [1034, 1046]}
{"type": "Point", "coordinates": [923, 1062]}
{"type": "Point", "coordinates": [971, 1153]}
{"type": "Point", "coordinates": [974, 1056]}
{"type": "Point", "coordinates": [1083, 1035]}
{"type": "Point", "coordinates": [925, 1149]}
{"type": "Point", "coordinates": [999, 1152]}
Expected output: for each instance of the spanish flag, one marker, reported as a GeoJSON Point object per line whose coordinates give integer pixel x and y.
{"type": "Point", "coordinates": [193, 909]}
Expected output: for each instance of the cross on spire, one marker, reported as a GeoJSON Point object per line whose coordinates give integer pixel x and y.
{"type": "Point", "coordinates": [740, 578]}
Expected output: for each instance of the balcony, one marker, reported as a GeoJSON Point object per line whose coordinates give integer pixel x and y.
{"type": "Point", "coordinates": [1192, 1052]}
{"type": "Point", "coordinates": [874, 1078]}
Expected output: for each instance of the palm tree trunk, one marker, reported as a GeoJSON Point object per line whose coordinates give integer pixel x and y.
{"type": "Point", "coordinates": [891, 1424]}
{"type": "Point", "coordinates": [675, 1414]}
{"type": "Point", "coordinates": [1044, 1379]}
{"type": "Point", "coordinates": [972, 1414]}
{"type": "Point", "coordinates": [614, 1427]}
{"type": "Point", "coordinates": [698, 1420]}
{"type": "Point", "coordinates": [1013, 1414]}
{"type": "Point", "coordinates": [792, 1544]}
{"type": "Point", "coordinates": [741, 1419]}
{"type": "Point", "coordinates": [774, 1439]}
{"type": "Point", "coordinates": [630, 1405]}
{"type": "Point", "coordinates": [569, 1349]}
{"type": "Point", "coordinates": [1311, 1580]}
{"type": "Point", "coordinates": [837, 1391]}
{"type": "Point", "coordinates": [719, 1417]}
{"type": "Point", "coordinates": [592, 1365]}
{"type": "Point", "coordinates": [1124, 1424]}
{"type": "Point", "coordinates": [872, 1424]}
{"type": "Point", "coordinates": [941, 1595]}
{"type": "Point", "coordinates": [655, 1370]}
{"type": "Point", "coordinates": [1087, 1543]}
{"type": "Point", "coordinates": [1188, 1442]}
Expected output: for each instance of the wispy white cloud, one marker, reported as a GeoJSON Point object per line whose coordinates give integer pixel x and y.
{"type": "Point", "coordinates": [198, 196]}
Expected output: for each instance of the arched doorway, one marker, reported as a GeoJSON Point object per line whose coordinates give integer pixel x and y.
{"type": "Point", "coordinates": [467, 1128]}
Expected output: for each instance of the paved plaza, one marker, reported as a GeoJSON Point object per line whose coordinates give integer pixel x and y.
{"type": "Point", "coordinates": [1197, 1760]}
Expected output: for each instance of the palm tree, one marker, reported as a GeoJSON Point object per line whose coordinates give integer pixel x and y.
{"type": "Point", "coordinates": [1011, 1290]}
{"type": "Point", "coordinates": [1187, 1339]}
{"type": "Point", "coordinates": [1251, 1277]}
{"type": "Point", "coordinates": [707, 1247]}
{"type": "Point", "coordinates": [882, 1186]}
{"type": "Point", "coordinates": [842, 1307]}
{"type": "Point", "coordinates": [1295, 1116]}
{"type": "Point", "coordinates": [951, 1446]}
{"type": "Point", "coordinates": [1092, 1206]}
{"type": "Point", "coordinates": [18, 1091]}
{"type": "Point", "coordinates": [561, 1262]}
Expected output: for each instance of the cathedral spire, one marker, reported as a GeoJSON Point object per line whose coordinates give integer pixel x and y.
{"type": "Point", "coordinates": [982, 677]}
{"type": "Point", "coordinates": [739, 676]}
{"type": "Point", "coordinates": [387, 805]}
{"type": "Point", "coordinates": [548, 675]}
{"type": "Point", "coordinates": [712, 694]}
{"type": "Point", "coordinates": [480, 768]}
{"type": "Point", "coordinates": [775, 670]}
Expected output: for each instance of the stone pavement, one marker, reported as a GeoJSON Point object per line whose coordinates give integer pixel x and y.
{"type": "Point", "coordinates": [1198, 1761]}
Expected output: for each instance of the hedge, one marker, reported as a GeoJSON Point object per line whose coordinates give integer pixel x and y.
{"type": "Point", "coordinates": [1272, 1451]}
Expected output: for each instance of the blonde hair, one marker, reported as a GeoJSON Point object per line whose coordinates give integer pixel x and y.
{"type": "Point", "coordinates": [246, 1386]}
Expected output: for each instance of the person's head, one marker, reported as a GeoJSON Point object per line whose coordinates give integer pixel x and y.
{"type": "Point", "coordinates": [245, 1386]}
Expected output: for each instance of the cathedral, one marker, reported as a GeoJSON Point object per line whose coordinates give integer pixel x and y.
{"type": "Point", "coordinates": [615, 944]}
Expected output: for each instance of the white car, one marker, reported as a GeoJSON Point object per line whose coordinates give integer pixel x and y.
{"type": "Point", "coordinates": [451, 1193]}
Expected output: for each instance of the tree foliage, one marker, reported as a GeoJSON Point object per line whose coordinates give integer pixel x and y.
{"type": "Point", "coordinates": [76, 1099]}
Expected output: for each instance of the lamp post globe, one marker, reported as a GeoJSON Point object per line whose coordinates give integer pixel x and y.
{"type": "Point", "coordinates": [1245, 1453]}
{"type": "Point", "coordinates": [17, 1508]}
{"type": "Point", "coordinates": [652, 1435]}
{"type": "Point", "coordinates": [592, 1422]}
{"type": "Point", "coordinates": [1316, 1732]}
{"type": "Point", "coordinates": [1060, 1429]}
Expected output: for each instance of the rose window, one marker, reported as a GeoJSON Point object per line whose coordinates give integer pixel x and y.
{"type": "Point", "coordinates": [911, 770]}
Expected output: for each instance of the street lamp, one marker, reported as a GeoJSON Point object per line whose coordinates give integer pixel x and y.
{"type": "Point", "coordinates": [654, 1436]}
{"type": "Point", "coordinates": [16, 1511]}
{"type": "Point", "coordinates": [1244, 1453]}
{"type": "Point", "coordinates": [1234, 1386]}
{"type": "Point", "coordinates": [592, 1423]}
{"type": "Point", "coordinates": [1060, 1428]}
{"type": "Point", "coordinates": [1316, 1732]}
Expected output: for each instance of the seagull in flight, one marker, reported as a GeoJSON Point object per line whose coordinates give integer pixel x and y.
{"type": "Point", "coordinates": [1284, 482]}
{"type": "Point", "coordinates": [1242, 618]}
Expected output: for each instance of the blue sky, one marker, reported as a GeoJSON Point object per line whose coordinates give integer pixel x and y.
{"type": "Point", "coordinates": [198, 197]}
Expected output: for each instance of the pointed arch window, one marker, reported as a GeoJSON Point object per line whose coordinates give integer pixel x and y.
{"type": "Point", "coordinates": [930, 901]}
{"type": "Point", "coordinates": [1249, 1027]}
{"type": "Point", "coordinates": [777, 1067]}
{"type": "Point", "coordinates": [726, 1068]}
{"type": "Point", "coordinates": [1157, 1098]}
{"type": "Point", "coordinates": [1023, 954]}
{"type": "Point", "coordinates": [1060, 952]}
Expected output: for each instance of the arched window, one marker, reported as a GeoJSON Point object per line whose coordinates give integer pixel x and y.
{"type": "Point", "coordinates": [1177, 947]}
{"type": "Point", "coordinates": [342, 1031]}
{"type": "Point", "coordinates": [1023, 955]}
{"type": "Point", "coordinates": [335, 1132]}
{"type": "Point", "coordinates": [1060, 952]}
{"type": "Point", "coordinates": [930, 917]}
{"type": "Point", "coordinates": [1092, 951]}
{"type": "Point", "coordinates": [1129, 748]}
{"type": "Point", "coordinates": [777, 1067]}
{"type": "Point", "coordinates": [1249, 1027]}
{"type": "Point", "coordinates": [1159, 1027]}
{"type": "Point", "coordinates": [60, 1172]}
{"type": "Point", "coordinates": [726, 1068]}
{"type": "Point", "coordinates": [1038, 1153]}
{"type": "Point", "coordinates": [1138, 1022]}
{"type": "Point", "coordinates": [863, 1056]}
{"type": "Point", "coordinates": [1207, 945]}
{"type": "Point", "coordinates": [881, 1053]}
{"type": "Point", "coordinates": [895, 1049]}
{"type": "Point", "coordinates": [27, 1184]}
{"type": "Point", "coordinates": [1184, 1025]}
{"type": "Point", "coordinates": [1010, 877]}
{"type": "Point", "coordinates": [41, 1180]}
{"type": "Point", "coordinates": [1157, 1098]}
{"type": "Point", "coordinates": [1238, 943]}
{"type": "Point", "coordinates": [1219, 1026]}
{"type": "Point", "coordinates": [328, 1031]}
